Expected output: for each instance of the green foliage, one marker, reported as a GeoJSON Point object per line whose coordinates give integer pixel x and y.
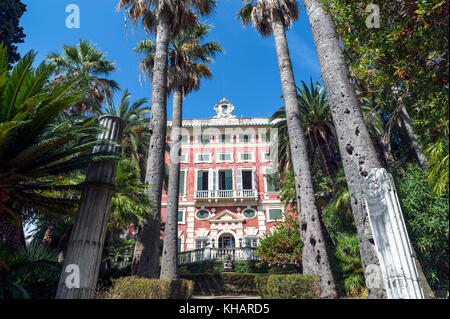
{"type": "Point", "coordinates": [130, 203]}
{"type": "Point", "coordinates": [250, 266]}
{"type": "Point", "coordinates": [11, 32]}
{"type": "Point", "coordinates": [282, 249]}
{"type": "Point", "coordinates": [32, 272]}
{"type": "Point", "coordinates": [223, 283]}
{"type": "Point", "coordinates": [292, 286]}
{"type": "Point", "coordinates": [347, 252]}
{"type": "Point", "coordinates": [337, 214]}
{"type": "Point", "coordinates": [36, 148]}
{"type": "Point", "coordinates": [144, 288]}
{"type": "Point", "coordinates": [427, 219]}
{"type": "Point", "coordinates": [86, 61]}
{"type": "Point", "coordinates": [207, 266]}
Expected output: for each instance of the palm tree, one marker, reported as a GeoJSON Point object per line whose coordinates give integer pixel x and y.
{"type": "Point", "coordinates": [86, 60]}
{"type": "Point", "coordinates": [274, 16]}
{"type": "Point", "coordinates": [356, 148]}
{"type": "Point", "coordinates": [187, 58]}
{"type": "Point", "coordinates": [313, 106]}
{"type": "Point", "coordinates": [136, 133]}
{"type": "Point", "coordinates": [35, 150]}
{"type": "Point", "coordinates": [164, 18]}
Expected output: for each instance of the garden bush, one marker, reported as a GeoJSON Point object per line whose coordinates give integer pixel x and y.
{"type": "Point", "coordinates": [144, 288]}
{"type": "Point", "coordinates": [292, 286]}
{"type": "Point", "coordinates": [250, 266]}
{"type": "Point", "coordinates": [208, 266]}
{"type": "Point", "coordinates": [223, 284]}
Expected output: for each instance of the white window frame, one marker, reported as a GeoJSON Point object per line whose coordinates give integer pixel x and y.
{"type": "Point", "coordinates": [263, 156]}
{"type": "Point", "coordinates": [218, 160]}
{"type": "Point", "coordinates": [183, 222]}
{"type": "Point", "coordinates": [250, 138]}
{"type": "Point", "coordinates": [203, 153]}
{"type": "Point", "coordinates": [274, 220]}
{"type": "Point", "coordinates": [185, 181]}
{"type": "Point", "coordinates": [184, 158]}
{"type": "Point", "coordinates": [219, 140]}
{"type": "Point", "coordinates": [251, 238]}
{"type": "Point", "coordinates": [240, 160]}
{"type": "Point", "coordinates": [265, 169]}
{"type": "Point", "coordinates": [188, 141]}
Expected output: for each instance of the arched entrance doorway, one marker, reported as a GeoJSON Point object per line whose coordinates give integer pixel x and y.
{"type": "Point", "coordinates": [226, 241]}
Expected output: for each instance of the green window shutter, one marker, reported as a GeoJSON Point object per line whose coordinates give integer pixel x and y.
{"type": "Point", "coordinates": [276, 214]}
{"type": "Point", "coordinates": [179, 244]}
{"type": "Point", "coordinates": [199, 180]}
{"type": "Point", "coordinates": [182, 177]}
{"type": "Point", "coordinates": [180, 216]}
{"type": "Point", "coordinates": [229, 179]}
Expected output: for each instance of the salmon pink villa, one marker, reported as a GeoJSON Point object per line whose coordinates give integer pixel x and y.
{"type": "Point", "coordinates": [228, 190]}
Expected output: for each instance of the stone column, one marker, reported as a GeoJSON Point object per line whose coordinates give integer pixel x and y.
{"type": "Point", "coordinates": [397, 264]}
{"type": "Point", "coordinates": [79, 275]}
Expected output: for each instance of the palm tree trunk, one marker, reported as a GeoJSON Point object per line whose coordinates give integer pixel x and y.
{"type": "Point", "coordinates": [356, 148]}
{"type": "Point", "coordinates": [146, 253]}
{"type": "Point", "coordinates": [329, 162]}
{"type": "Point", "coordinates": [10, 233]}
{"type": "Point", "coordinates": [413, 137]}
{"type": "Point", "coordinates": [85, 248]}
{"type": "Point", "coordinates": [170, 249]}
{"type": "Point", "coordinates": [314, 255]}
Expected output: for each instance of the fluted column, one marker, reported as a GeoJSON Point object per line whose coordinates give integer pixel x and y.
{"type": "Point", "coordinates": [79, 275]}
{"type": "Point", "coordinates": [398, 267]}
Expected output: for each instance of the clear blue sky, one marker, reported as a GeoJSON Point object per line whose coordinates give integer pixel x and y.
{"type": "Point", "coordinates": [247, 73]}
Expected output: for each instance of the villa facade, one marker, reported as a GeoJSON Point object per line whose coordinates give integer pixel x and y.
{"type": "Point", "coordinates": [228, 194]}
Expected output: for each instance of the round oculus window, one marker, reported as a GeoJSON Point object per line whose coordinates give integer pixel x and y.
{"type": "Point", "coordinates": [249, 213]}
{"type": "Point", "coordinates": [202, 214]}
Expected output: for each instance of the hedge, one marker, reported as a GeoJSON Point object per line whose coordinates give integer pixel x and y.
{"type": "Point", "coordinates": [144, 288]}
{"type": "Point", "coordinates": [292, 286]}
{"type": "Point", "coordinates": [208, 266]}
{"type": "Point", "coordinates": [223, 284]}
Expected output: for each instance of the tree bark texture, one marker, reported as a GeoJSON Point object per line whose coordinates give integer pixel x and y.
{"type": "Point", "coordinates": [146, 253]}
{"type": "Point", "coordinates": [357, 151]}
{"type": "Point", "coordinates": [11, 234]}
{"type": "Point", "coordinates": [314, 255]}
{"type": "Point", "coordinates": [88, 234]}
{"type": "Point", "coordinates": [170, 248]}
{"type": "Point", "coordinates": [413, 137]}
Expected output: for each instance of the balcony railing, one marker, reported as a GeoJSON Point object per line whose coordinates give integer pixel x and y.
{"type": "Point", "coordinates": [203, 254]}
{"type": "Point", "coordinates": [226, 194]}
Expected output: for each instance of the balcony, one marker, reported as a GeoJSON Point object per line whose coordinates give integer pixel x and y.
{"type": "Point", "coordinates": [221, 194]}
{"type": "Point", "coordinates": [203, 254]}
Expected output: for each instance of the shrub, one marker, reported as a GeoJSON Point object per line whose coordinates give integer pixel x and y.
{"type": "Point", "coordinates": [250, 266]}
{"type": "Point", "coordinates": [347, 253]}
{"type": "Point", "coordinates": [293, 286]}
{"type": "Point", "coordinates": [208, 266]}
{"type": "Point", "coordinates": [223, 284]}
{"type": "Point", "coordinates": [144, 288]}
{"type": "Point", "coordinates": [283, 247]}
{"type": "Point", "coordinates": [426, 217]}
{"type": "Point", "coordinates": [261, 284]}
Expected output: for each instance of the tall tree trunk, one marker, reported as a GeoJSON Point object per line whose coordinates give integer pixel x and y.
{"type": "Point", "coordinates": [146, 253]}
{"type": "Point", "coordinates": [413, 137]}
{"type": "Point", "coordinates": [314, 255]}
{"type": "Point", "coordinates": [385, 142]}
{"type": "Point", "coordinates": [81, 265]}
{"type": "Point", "coordinates": [357, 151]}
{"type": "Point", "coordinates": [170, 248]}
